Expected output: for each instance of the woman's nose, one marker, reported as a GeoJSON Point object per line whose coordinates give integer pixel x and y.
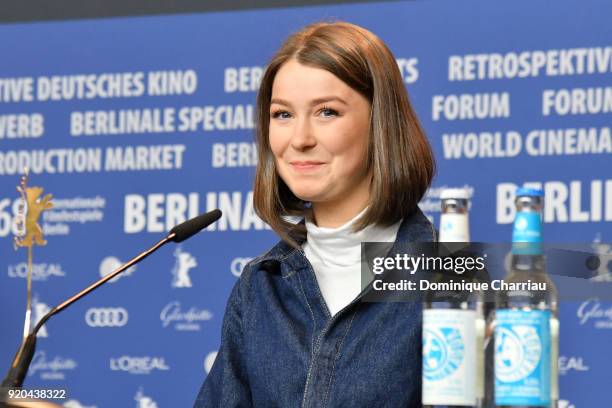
{"type": "Point", "coordinates": [303, 137]}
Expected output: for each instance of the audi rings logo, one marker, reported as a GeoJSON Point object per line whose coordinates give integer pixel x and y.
{"type": "Point", "coordinates": [106, 317]}
{"type": "Point", "coordinates": [238, 265]}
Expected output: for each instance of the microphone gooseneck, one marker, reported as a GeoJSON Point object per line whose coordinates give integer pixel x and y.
{"type": "Point", "coordinates": [19, 367]}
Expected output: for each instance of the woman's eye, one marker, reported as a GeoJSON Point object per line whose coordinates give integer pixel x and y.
{"type": "Point", "coordinates": [327, 112]}
{"type": "Point", "coordinates": [280, 114]}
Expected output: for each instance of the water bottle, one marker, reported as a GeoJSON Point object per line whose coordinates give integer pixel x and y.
{"type": "Point", "coordinates": [526, 321]}
{"type": "Point", "coordinates": [453, 326]}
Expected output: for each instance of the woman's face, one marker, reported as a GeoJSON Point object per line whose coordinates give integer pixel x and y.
{"type": "Point", "coordinates": [319, 130]}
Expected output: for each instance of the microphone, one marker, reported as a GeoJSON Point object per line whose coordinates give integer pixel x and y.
{"type": "Point", "coordinates": [188, 228]}
{"type": "Point", "coordinates": [19, 367]}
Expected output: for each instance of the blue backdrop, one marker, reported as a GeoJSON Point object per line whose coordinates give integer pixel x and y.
{"type": "Point", "coordinates": [135, 124]}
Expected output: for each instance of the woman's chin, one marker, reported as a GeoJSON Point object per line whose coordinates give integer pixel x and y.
{"type": "Point", "coordinates": [311, 195]}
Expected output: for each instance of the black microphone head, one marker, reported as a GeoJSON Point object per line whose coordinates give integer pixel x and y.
{"type": "Point", "coordinates": [193, 226]}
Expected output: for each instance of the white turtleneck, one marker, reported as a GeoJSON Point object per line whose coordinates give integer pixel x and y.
{"type": "Point", "coordinates": [335, 255]}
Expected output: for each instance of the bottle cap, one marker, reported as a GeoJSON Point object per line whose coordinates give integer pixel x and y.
{"type": "Point", "coordinates": [456, 193]}
{"type": "Point", "coordinates": [531, 192]}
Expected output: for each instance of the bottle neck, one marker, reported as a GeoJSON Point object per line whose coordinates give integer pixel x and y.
{"type": "Point", "coordinates": [527, 233]}
{"type": "Point", "coordinates": [454, 227]}
{"type": "Point", "coordinates": [527, 251]}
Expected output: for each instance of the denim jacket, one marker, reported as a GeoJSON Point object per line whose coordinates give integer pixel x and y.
{"type": "Point", "coordinates": [281, 348]}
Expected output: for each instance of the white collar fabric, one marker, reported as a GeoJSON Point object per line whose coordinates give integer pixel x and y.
{"type": "Point", "coordinates": [335, 255]}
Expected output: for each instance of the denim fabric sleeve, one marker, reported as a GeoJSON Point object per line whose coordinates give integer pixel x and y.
{"type": "Point", "coordinates": [227, 384]}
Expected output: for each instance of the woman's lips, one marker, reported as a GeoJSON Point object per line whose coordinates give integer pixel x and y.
{"type": "Point", "coordinates": [306, 165]}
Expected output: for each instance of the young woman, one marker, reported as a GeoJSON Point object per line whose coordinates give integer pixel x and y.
{"type": "Point", "coordinates": [341, 147]}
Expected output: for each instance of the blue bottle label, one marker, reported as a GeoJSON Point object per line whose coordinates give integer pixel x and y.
{"type": "Point", "coordinates": [527, 233]}
{"type": "Point", "coordinates": [450, 357]}
{"type": "Point", "coordinates": [522, 357]}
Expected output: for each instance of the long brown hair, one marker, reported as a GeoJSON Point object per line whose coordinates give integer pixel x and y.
{"type": "Point", "coordinates": [398, 155]}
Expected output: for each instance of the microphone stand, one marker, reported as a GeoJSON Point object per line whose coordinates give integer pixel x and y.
{"type": "Point", "coordinates": [19, 367]}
